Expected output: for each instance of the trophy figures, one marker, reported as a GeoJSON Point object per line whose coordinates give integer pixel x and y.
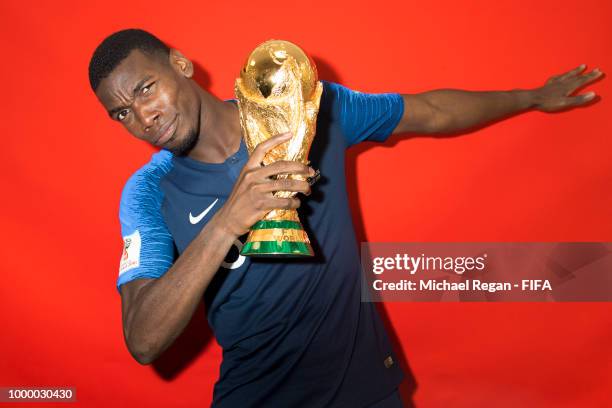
{"type": "Point", "coordinates": [278, 92]}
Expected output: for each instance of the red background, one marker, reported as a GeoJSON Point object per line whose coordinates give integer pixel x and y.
{"type": "Point", "coordinates": [534, 177]}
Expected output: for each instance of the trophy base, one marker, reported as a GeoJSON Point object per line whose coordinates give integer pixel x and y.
{"type": "Point", "coordinates": [280, 238]}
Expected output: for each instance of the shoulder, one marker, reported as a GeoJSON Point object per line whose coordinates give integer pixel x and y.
{"type": "Point", "coordinates": [342, 100]}
{"type": "Point", "coordinates": [362, 116]}
{"type": "Point", "coordinates": [146, 179]}
{"type": "Point", "coordinates": [332, 91]}
{"type": "Point", "coordinates": [333, 97]}
{"type": "Point", "coordinates": [148, 250]}
{"type": "Point", "coordinates": [339, 94]}
{"type": "Point", "coordinates": [141, 193]}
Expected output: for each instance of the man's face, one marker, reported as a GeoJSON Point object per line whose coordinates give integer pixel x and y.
{"type": "Point", "coordinates": [154, 99]}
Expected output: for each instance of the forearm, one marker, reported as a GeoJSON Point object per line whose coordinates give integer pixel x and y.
{"type": "Point", "coordinates": [163, 308]}
{"type": "Point", "coordinates": [457, 110]}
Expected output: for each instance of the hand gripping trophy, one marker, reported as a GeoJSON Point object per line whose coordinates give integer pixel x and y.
{"type": "Point", "coordinates": [278, 92]}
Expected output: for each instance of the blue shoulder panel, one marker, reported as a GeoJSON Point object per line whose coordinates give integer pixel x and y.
{"type": "Point", "coordinates": [148, 250]}
{"type": "Point", "coordinates": [364, 116]}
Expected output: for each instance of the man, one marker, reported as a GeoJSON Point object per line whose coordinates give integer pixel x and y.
{"type": "Point", "coordinates": [293, 331]}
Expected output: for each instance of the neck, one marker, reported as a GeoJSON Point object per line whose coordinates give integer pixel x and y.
{"type": "Point", "coordinates": [220, 131]}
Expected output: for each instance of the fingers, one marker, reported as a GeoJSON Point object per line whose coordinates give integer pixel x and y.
{"type": "Point", "coordinates": [314, 178]}
{"type": "Point", "coordinates": [297, 186]}
{"type": "Point", "coordinates": [580, 82]}
{"type": "Point", "coordinates": [573, 72]}
{"type": "Point", "coordinates": [596, 73]}
{"type": "Point", "coordinates": [277, 203]}
{"type": "Point", "coordinates": [286, 167]}
{"type": "Point", "coordinates": [262, 148]}
{"type": "Point", "coordinates": [274, 203]}
{"type": "Point", "coordinates": [580, 99]}
{"type": "Point", "coordinates": [590, 77]}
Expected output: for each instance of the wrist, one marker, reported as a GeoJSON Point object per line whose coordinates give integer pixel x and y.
{"type": "Point", "coordinates": [527, 98]}
{"type": "Point", "coordinates": [222, 228]}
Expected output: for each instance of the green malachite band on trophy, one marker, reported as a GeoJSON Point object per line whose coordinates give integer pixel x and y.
{"type": "Point", "coordinates": [283, 248]}
{"type": "Point", "coordinates": [278, 234]}
{"type": "Point", "coordinates": [269, 224]}
{"type": "Point", "coordinates": [261, 243]}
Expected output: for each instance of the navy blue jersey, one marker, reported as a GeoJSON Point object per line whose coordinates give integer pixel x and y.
{"type": "Point", "coordinates": [294, 332]}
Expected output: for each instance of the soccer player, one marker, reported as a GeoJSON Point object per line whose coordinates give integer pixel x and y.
{"type": "Point", "coordinates": [294, 332]}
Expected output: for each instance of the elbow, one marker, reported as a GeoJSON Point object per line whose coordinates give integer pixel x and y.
{"type": "Point", "coordinates": [143, 352]}
{"type": "Point", "coordinates": [441, 122]}
{"type": "Point", "coordinates": [144, 360]}
{"type": "Point", "coordinates": [144, 357]}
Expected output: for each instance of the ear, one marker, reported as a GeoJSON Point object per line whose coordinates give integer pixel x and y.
{"type": "Point", "coordinates": [180, 63]}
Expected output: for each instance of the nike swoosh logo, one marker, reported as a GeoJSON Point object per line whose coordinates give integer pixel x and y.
{"type": "Point", "coordinates": [195, 220]}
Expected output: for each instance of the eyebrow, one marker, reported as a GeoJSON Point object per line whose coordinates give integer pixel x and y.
{"type": "Point", "coordinates": [137, 88]}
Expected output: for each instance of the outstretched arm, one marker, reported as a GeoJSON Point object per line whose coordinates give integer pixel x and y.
{"type": "Point", "coordinates": [450, 110]}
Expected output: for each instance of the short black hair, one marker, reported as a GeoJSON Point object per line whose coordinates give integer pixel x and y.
{"type": "Point", "coordinates": [116, 47]}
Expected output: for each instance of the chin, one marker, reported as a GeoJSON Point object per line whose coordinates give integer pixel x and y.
{"type": "Point", "coordinates": [184, 145]}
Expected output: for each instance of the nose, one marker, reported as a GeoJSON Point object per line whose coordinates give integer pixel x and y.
{"type": "Point", "coordinates": [148, 116]}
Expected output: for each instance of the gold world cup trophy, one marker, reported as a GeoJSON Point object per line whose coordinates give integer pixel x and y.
{"type": "Point", "coordinates": [278, 91]}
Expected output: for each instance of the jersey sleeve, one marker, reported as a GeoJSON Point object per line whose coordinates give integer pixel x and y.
{"type": "Point", "coordinates": [148, 247]}
{"type": "Point", "coordinates": [364, 116]}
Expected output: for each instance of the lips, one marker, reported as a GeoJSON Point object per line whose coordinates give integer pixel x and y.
{"type": "Point", "coordinates": [166, 132]}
